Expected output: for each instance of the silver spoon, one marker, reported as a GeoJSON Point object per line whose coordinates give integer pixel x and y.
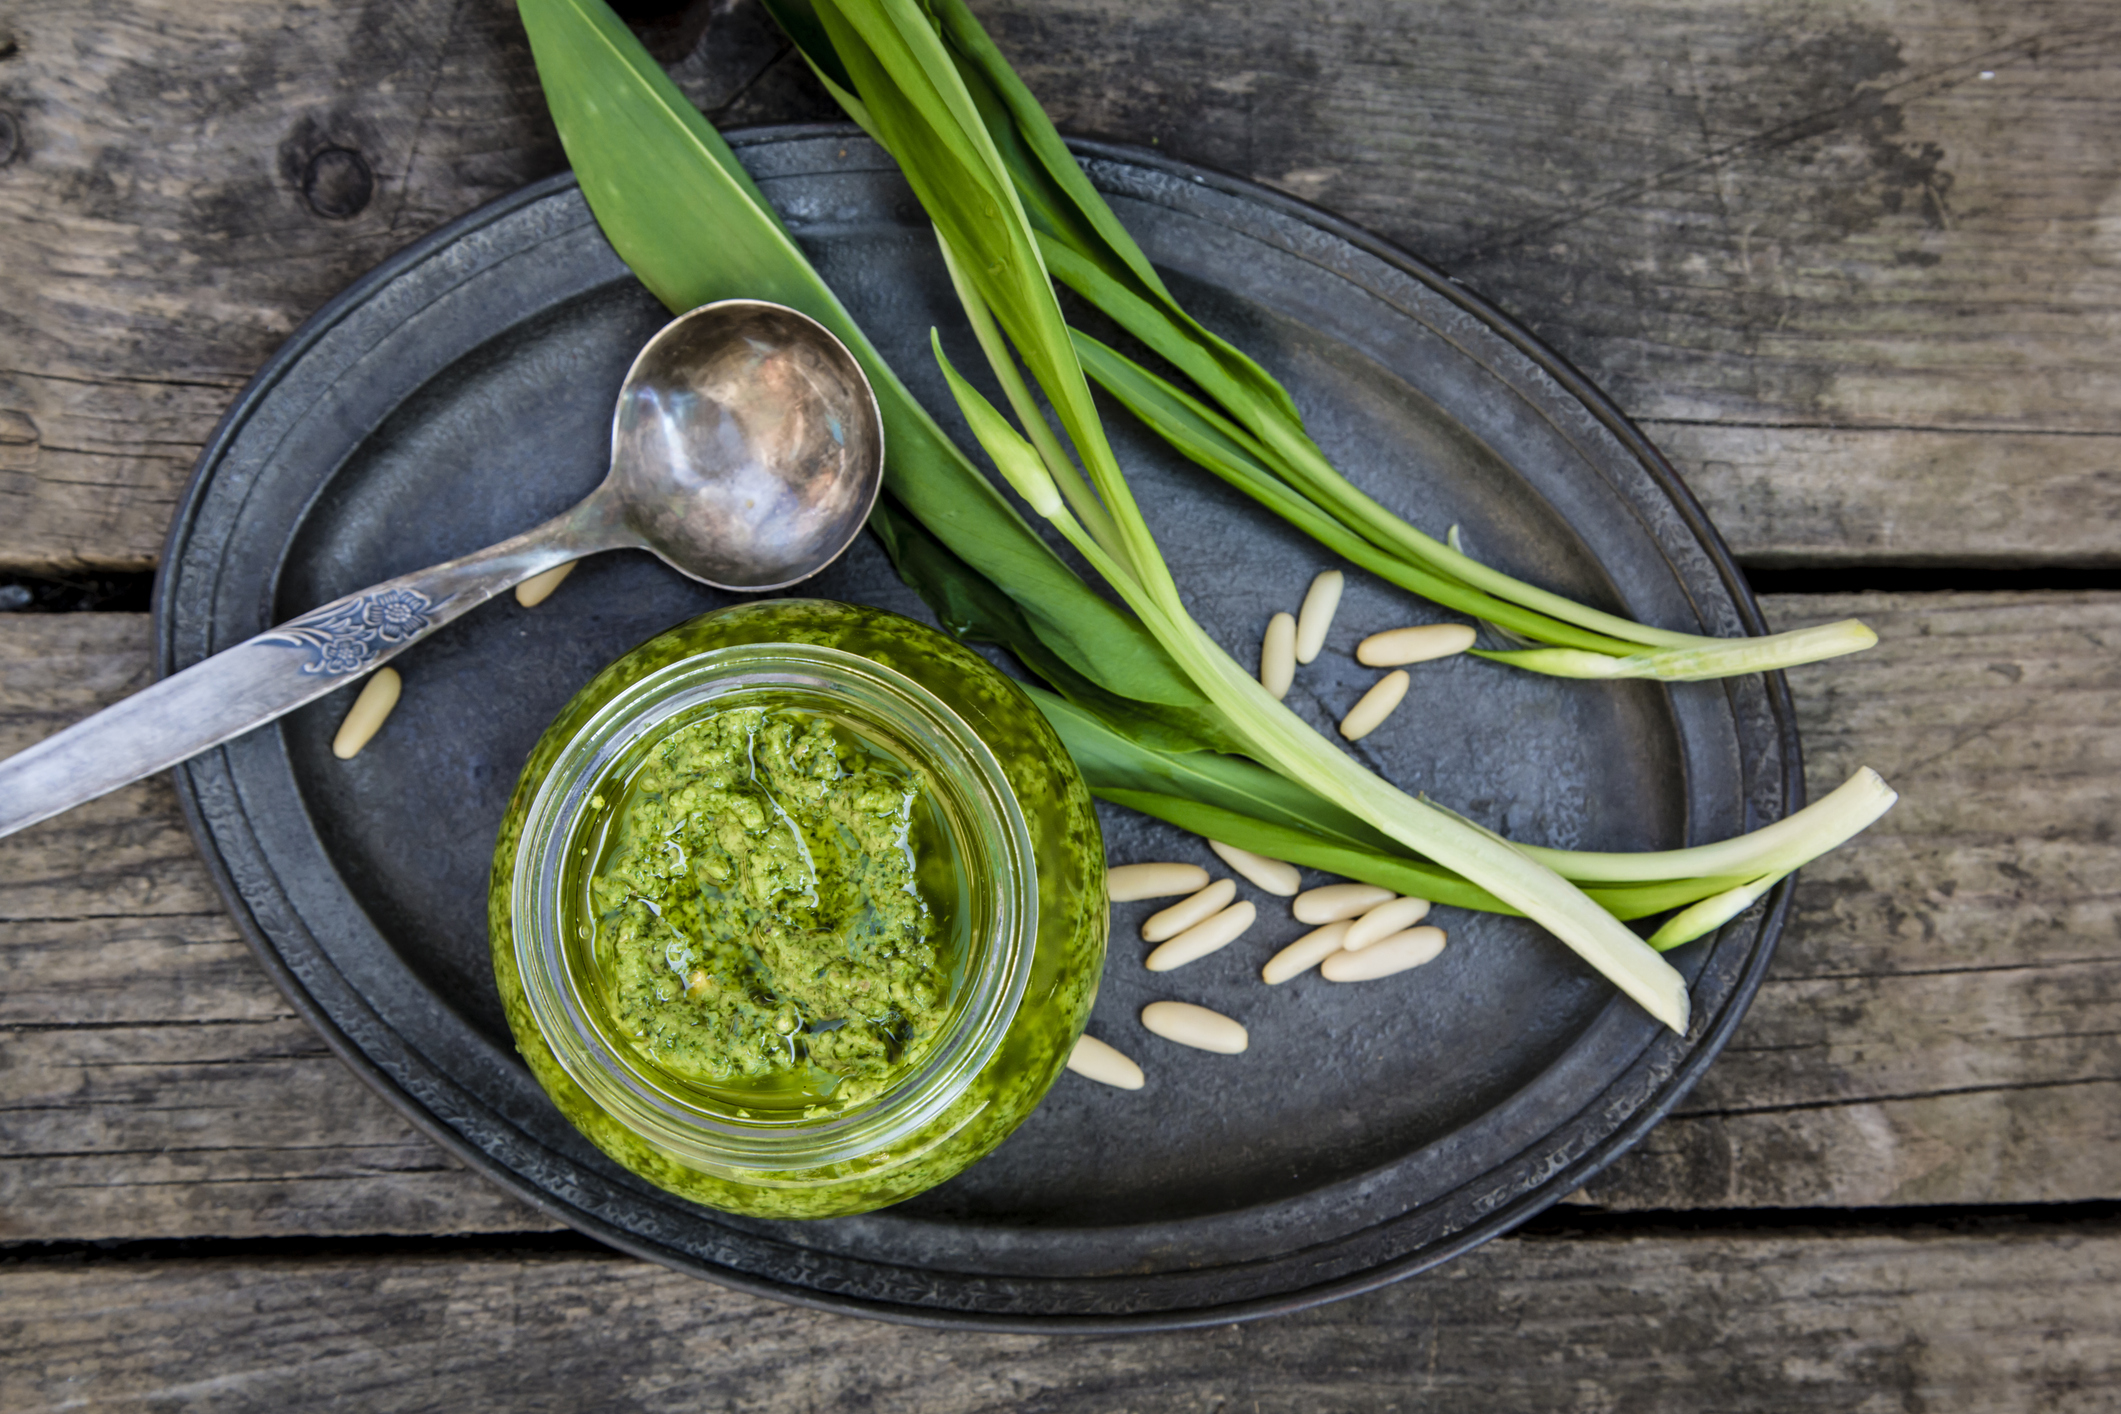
{"type": "Point", "coordinates": [746, 451]}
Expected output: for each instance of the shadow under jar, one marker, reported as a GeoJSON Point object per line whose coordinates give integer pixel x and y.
{"type": "Point", "coordinates": [1010, 867]}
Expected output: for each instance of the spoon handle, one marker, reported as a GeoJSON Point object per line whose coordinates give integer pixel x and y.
{"type": "Point", "coordinates": [280, 669]}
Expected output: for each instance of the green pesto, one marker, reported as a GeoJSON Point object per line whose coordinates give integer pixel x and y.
{"type": "Point", "coordinates": [759, 921]}
{"type": "Point", "coordinates": [1072, 912]}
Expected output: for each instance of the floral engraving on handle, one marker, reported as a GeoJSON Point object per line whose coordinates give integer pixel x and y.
{"type": "Point", "coordinates": [345, 638]}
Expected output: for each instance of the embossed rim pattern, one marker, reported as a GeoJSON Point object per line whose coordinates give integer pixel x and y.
{"type": "Point", "coordinates": [1637, 1096]}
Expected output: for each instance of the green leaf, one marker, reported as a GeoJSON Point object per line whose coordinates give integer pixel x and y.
{"type": "Point", "coordinates": [1210, 440]}
{"type": "Point", "coordinates": [1081, 242]}
{"type": "Point", "coordinates": [911, 89]}
{"type": "Point", "coordinates": [1062, 202]}
{"type": "Point", "coordinates": [969, 605]}
{"type": "Point", "coordinates": [1114, 758]}
{"type": "Point", "coordinates": [1239, 802]}
{"type": "Point", "coordinates": [1300, 461]}
{"type": "Point", "coordinates": [1277, 841]}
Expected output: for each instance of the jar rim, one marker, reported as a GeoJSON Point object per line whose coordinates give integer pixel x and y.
{"type": "Point", "coordinates": [994, 839]}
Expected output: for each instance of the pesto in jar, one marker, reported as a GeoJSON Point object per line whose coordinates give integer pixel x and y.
{"type": "Point", "coordinates": [768, 911]}
{"type": "Point", "coordinates": [1007, 858]}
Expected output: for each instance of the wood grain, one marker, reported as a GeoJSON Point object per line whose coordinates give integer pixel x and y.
{"type": "Point", "coordinates": [1807, 496]}
{"type": "Point", "coordinates": [157, 235]}
{"type": "Point", "coordinates": [1811, 247]}
{"type": "Point", "coordinates": [1869, 1321]}
{"type": "Point", "coordinates": [1866, 295]}
{"type": "Point", "coordinates": [1942, 1025]}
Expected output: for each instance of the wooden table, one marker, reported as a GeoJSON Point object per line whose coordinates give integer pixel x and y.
{"type": "Point", "coordinates": [1856, 264]}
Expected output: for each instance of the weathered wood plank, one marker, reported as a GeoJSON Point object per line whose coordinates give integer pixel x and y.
{"type": "Point", "coordinates": [247, 1125]}
{"type": "Point", "coordinates": [2021, 1144]}
{"type": "Point", "coordinates": [1865, 294]}
{"type": "Point", "coordinates": [1811, 247]}
{"type": "Point", "coordinates": [1902, 496]}
{"type": "Point", "coordinates": [1869, 1321]}
{"type": "Point", "coordinates": [1939, 1028]}
{"type": "Point", "coordinates": [191, 182]}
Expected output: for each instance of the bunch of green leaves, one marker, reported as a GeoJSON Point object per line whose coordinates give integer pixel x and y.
{"type": "Point", "coordinates": [681, 211]}
{"type": "Point", "coordinates": [1247, 430]}
{"type": "Point", "coordinates": [912, 95]}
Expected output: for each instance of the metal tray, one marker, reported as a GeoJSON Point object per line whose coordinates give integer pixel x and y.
{"type": "Point", "coordinates": [462, 391]}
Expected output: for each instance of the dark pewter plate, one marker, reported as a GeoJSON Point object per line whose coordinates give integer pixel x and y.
{"type": "Point", "coordinates": [462, 391]}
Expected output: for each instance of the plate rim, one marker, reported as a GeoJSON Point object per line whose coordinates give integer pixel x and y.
{"type": "Point", "coordinates": [1704, 1047]}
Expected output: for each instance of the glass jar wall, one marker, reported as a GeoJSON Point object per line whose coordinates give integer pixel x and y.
{"type": "Point", "coordinates": [1022, 883]}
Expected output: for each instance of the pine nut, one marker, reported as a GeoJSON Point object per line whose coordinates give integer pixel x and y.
{"type": "Point", "coordinates": [1334, 902]}
{"type": "Point", "coordinates": [1277, 655]}
{"type": "Point", "coordinates": [1188, 911]}
{"type": "Point", "coordinates": [1094, 1060]}
{"type": "Point", "coordinates": [1195, 1026]}
{"type": "Point", "coordinates": [1203, 938]}
{"type": "Point", "coordinates": [1369, 714]}
{"type": "Point", "coordinates": [1397, 647]}
{"type": "Point", "coordinates": [365, 718]}
{"type": "Point", "coordinates": [1317, 614]}
{"type": "Point", "coordinates": [1270, 874]}
{"type": "Point", "coordinates": [1384, 920]}
{"type": "Point", "coordinates": [1394, 954]}
{"type": "Point", "coordinates": [1304, 954]}
{"type": "Point", "coordinates": [1125, 883]}
{"type": "Point", "coordinates": [536, 589]}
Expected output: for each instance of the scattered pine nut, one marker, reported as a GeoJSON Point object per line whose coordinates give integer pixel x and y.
{"type": "Point", "coordinates": [1125, 883]}
{"type": "Point", "coordinates": [1394, 954]}
{"type": "Point", "coordinates": [1270, 874]}
{"type": "Point", "coordinates": [1277, 655]}
{"type": "Point", "coordinates": [1397, 647]}
{"type": "Point", "coordinates": [1195, 1026]}
{"type": "Point", "coordinates": [365, 718]}
{"type": "Point", "coordinates": [536, 589]}
{"type": "Point", "coordinates": [1094, 1060]}
{"type": "Point", "coordinates": [1188, 911]}
{"type": "Point", "coordinates": [1304, 954]}
{"type": "Point", "coordinates": [1369, 714]}
{"type": "Point", "coordinates": [1384, 920]}
{"type": "Point", "coordinates": [1317, 614]}
{"type": "Point", "coordinates": [1333, 902]}
{"type": "Point", "coordinates": [1204, 937]}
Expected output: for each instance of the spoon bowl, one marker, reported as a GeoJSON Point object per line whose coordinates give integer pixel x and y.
{"type": "Point", "coordinates": [747, 447]}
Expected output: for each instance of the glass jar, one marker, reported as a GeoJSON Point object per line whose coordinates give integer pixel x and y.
{"type": "Point", "coordinates": [1031, 872]}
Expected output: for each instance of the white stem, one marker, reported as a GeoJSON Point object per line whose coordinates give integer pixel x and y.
{"type": "Point", "coordinates": [1711, 913]}
{"type": "Point", "coordinates": [1704, 658]}
{"type": "Point", "coordinates": [1771, 849]}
